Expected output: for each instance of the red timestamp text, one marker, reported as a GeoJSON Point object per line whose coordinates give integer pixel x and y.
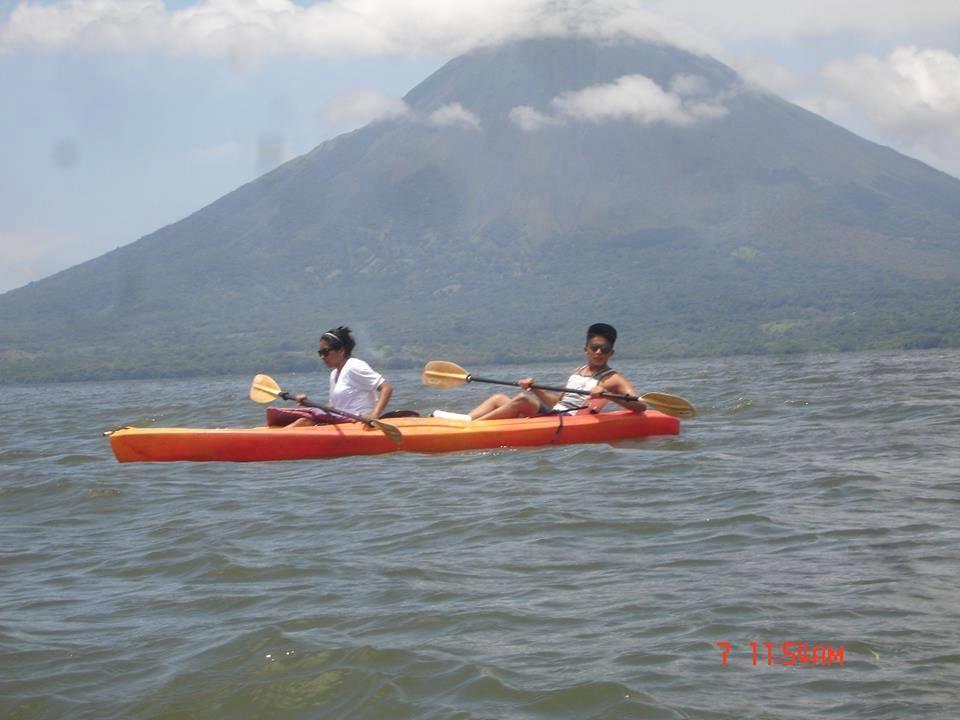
{"type": "Point", "coordinates": [789, 653]}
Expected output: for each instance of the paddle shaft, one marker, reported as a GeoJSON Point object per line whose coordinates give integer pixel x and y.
{"type": "Point", "coordinates": [331, 410]}
{"type": "Point", "coordinates": [613, 396]}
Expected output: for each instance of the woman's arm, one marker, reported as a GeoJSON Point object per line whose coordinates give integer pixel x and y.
{"type": "Point", "coordinates": [385, 392]}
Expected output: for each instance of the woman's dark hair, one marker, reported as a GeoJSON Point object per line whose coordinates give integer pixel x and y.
{"type": "Point", "coordinates": [340, 337]}
{"type": "Point", "coordinates": [607, 332]}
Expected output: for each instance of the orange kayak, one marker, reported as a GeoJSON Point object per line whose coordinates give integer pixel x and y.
{"type": "Point", "coordinates": [421, 434]}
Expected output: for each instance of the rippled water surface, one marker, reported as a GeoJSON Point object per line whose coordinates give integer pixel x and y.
{"type": "Point", "coordinates": [815, 500]}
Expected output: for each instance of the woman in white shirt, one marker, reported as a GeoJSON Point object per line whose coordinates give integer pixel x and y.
{"type": "Point", "coordinates": [355, 387]}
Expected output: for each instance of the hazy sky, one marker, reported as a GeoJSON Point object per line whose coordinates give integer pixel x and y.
{"type": "Point", "coordinates": [120, 116]}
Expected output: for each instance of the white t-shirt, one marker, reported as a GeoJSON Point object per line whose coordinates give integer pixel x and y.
{"type": "Point", "coordinates": [354, 388]}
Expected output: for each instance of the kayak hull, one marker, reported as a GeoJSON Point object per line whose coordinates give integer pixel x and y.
{"type": "Point", "coordinates": [421, 435]}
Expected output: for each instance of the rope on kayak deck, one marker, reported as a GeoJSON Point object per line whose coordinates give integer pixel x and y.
{"type": "Point", "coordinates": [561, 413]}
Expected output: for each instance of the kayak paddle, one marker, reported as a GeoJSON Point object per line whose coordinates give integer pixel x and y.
{"type": "Point", "coordinates": [443, 374]}
{"type": "Point", "coordinates": [264, 389]}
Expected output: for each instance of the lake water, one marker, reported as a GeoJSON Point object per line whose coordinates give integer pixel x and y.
{"type": "Point", "coordinates": [816, 500]}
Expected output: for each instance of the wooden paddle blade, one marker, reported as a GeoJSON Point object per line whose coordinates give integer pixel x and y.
{"type": "Point", "coordinates": [264, 389]}
{"type": "Point", "coordinates": [669, 404]}
{"type": "Point", "coordinates": [390, 431]}
{"type": "Point", "coordinates": [443, 374]}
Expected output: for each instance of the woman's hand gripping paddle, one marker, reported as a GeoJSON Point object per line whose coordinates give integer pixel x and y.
{"type": "Point", "coordinates": [264, 389]}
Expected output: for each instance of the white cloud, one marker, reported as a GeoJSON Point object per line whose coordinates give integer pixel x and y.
{"type": "Point", "coordinates": [366, 106]}
{"type": "Point", "coordinates": [630, 97]}
{"type": "Point", "coordinates": [634, 97]}
{"type": "Point", "coordinates": [706, 110]}
{"type": "Point", "coordinates": [811, 18]}
{"type": "Point", "coordinates": [363, 106]}
{"type": "Point", "coordinates": [909, 99]}
{"type": "Point", "coordinates": [767, 75]}
{"type": "Point", "coordinates": [912, 92]}
{"type": "Point", "coordinates": [243, 29]}
{"type": "Point", "coordinates": [86, 24]}
{"type": "Point", "coordinates": [529, 119]}
{"type": "Point", "coordinates": [454, 115]}
{"type": "Point", "coordinates": [686, 85]}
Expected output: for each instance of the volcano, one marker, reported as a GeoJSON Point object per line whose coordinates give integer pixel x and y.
{"type": "Point", "coordinates": [531, 188]}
